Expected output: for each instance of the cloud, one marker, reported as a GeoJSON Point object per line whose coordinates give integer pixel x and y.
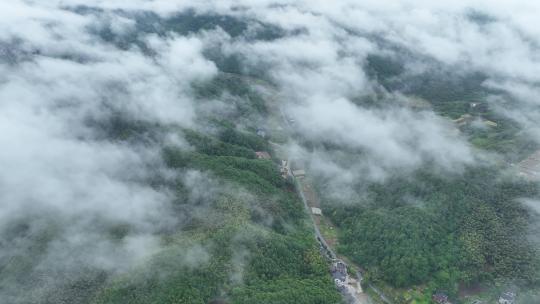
{"type": "Point", "coordinates": [392, 138]}
{"type": "Point", "coordinates": [520, 103]}
{"type": "Point", "coordinates": [60, 78]}
{"type": "Point", "coordinates": [83, 200]}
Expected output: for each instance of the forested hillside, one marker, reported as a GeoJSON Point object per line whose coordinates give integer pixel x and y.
{"type": "Point", "coordinates": [269, 152]}
{"type": "Point", "coordinates": [257, 245]}
{"type": "Point", "coordinates": [441, 230]}
{"type": "Point", "coordinates": [244, 236]}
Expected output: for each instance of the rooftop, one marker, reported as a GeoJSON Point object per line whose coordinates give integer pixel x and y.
{"type": "Point", "coordinates": [316, 211]}
{"type": "Point", "coordinates": [510, 296]}
{"type": "Point", "coordinates": [299, 173]}
{"type": "Point", "coordinates": [263, 155]}
{"type": "Point", "coordinates": [440, 298]}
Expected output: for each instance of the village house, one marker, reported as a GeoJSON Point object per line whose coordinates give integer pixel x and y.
{"type": "Point", "coordinates": [284, 169]}
{"type": "Point", "coordinates": [339, 272]}
{"type": "Point", "coordinates": [263, 155]}
{"type": "Point", "coordinates": [490, 123]}
{"type": "Point", "coordinates": [316, 211]}
{"type": "Point", "coordinates": [440, 298]}
{"type": "Point", "coordinates": [507, 298]}
{"type": "Point", "coordinates": [299, 173]}
{"type": "Point", "coordinates": [463, 120]}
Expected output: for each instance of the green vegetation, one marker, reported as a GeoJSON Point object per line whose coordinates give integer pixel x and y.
{"type": "Point", "coordinates": [244, 106]}
{"type": "Point", "coordinates": [247, 100]}
{"type": "Point", "coordinates": [247, 140]}
{"type": "Point", "coordinates": [273, 269]}
{"type": "Point", "coordinates": [383, 67]}
{"type": "Point", "coordinates": [252, 243]}
{"type": "Point", "coordinates": [507, 139]}
{"type": "Point", "coordinates": [452, 94]}
{"type": "Point", "coordinates": [449, 91]}
{"type": "Point", "coordinates": [212, 146]}
{"type": "Point", "coordinates": [328, 232]}
{"type": "Point", "coordinates": [183, 23]}
{"type": "Point", "coordinates": [441, 230]}
{"type": "Point", "coordinates": [189, 22]}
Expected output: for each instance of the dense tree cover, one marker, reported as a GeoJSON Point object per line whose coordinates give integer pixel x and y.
{"type": "Point", "coordinates": [168, 282]}
{"type": "Point", "coordinates": [247, 100]}
{"type": "Point", "coordinates": [189, 21]}
{"type": "Point", "coordinates": [507, 138]}
{"type": "Point", "coordinates": [449, 91]}
{"type": "Point", "coordinates": [275, 269]}
{"type": "Point", "coordinates": [260, 177]}
{"type": "Point", "coordinates": [286, 290]}
{"type": "Point", "coordinates": [213, 146]}
{"type": "Point", "coordinates": [246, 242]}
{"type": "Point", "coordinates": [183, 23]}
{"type": "Point", "coordinates": [383, 67]}
{"type": "Point", "coordinates": [254, 248]}
{"type": "Point", "coordinates": [248, 140]}
{"type": "Point", "coordinates": [406, 244]}
{"type": "Point", "coordinates": [441, 229]}
{"type": "Point", "coordinates": [280, 268]}
{"type": "Point", "coordinates": [451, 94]}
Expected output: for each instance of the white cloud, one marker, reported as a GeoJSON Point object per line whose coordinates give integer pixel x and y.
{"type": "Point", "coordinates": [67, 76]}
{"type": "Point", "coordinates": [58, 173]}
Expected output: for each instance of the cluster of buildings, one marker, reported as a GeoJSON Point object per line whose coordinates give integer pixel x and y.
{"type": "Point", "coordinates": [507, 297]}
{"type": "Point", "coordinates": [339, 273]}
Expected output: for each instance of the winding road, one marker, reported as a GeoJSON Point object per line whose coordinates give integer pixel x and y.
{"type": "Point", "coordinates": [353, 294]}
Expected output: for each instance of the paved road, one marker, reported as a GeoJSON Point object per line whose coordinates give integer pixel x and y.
{"type": "Point", "coordinates": [380, 294]}
{"type": "Point", "coordinates": [318, 235]}
{"type": "Point", "coordinates": [350, 293]}
{"type": "Point", "coordinates": [363, 298]}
